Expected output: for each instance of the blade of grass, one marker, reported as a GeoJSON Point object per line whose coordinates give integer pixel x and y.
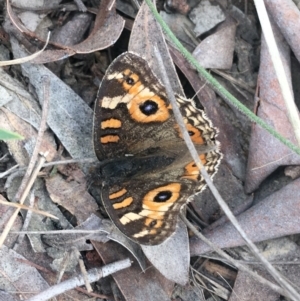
{"type": "Point", "coordinates": [8, 135]}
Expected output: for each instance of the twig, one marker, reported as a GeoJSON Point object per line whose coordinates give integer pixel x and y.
{"type": "Point", "coordinates": [235, 81]}
{"type": "Point", "coordinates": [83, 271]}
{"type": "Point", "coordinates": [20, 206]}
{"type": "Point", "coordinates": [93, 275]}
{"type": "Point", "coordinates": [66, 259]}
{"type": "Point", "coordinates": [62, 162]}
{"type": "Point", "coordinates": [80, 5]}
{"type": "Point", "coordinates": [26, 222]}
{"type": "Point", "coordinates": [7, 172]}
{"type": "Point", "coordinates": [4, 156]}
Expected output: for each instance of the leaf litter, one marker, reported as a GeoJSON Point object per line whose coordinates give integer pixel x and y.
{"type": "Point", "coordinates": [271, 220]}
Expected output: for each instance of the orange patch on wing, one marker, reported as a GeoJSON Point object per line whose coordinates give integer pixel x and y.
{"type": "Point", "coordinates": [158, 224]}
{"type": "Point", "coordinates": [192, 171]}
{"type": "Point", "coordinates": [127, 202]}
{"type": "Point", "coordinates": [111, 124]}
{"type": "Point", "coordinates": [109, 139]}
{"type": "Point", "coordinates": [153, 231]}
{"type": "Point", "coordinates": [195, 133]}
{"type": "Point", "coordinates": [150, 204]}
{"type": "Point", "coordinates": [135, 80]}
{"type": "Point", "coordinates": [136, 88]}
{"type": "Point", "coordinates": [161, 115]}
{"type": "Point", "coordinates": [117, 194]}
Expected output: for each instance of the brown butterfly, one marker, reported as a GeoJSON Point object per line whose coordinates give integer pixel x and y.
{"type": "Point", "coordinates": [146, 167]}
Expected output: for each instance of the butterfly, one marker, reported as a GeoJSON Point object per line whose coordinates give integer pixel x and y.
{"type": "Point", "coordinates": [146, 169]}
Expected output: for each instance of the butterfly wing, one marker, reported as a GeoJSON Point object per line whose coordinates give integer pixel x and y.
{"type": "Point", "coordinates": [131, 103]}
{"type": "Point", "coordinates": [153, 174]}
{"type": "Point", "coordinates": [146, 207]}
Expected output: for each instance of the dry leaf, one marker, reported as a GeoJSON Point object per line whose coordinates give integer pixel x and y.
{"type": "Point", "coordinates": [266, 153]}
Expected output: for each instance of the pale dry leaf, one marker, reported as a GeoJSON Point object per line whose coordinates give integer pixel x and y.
{"type": "Point", "coordinates": [266, 153]}
{"type": "Point", "coordinates": [206, 16]}
{"type": "Point", "coordinates": [216, 51]}
{"type": "Point", "coordinates": [71, 195]}
{"type": "Point", "coordinates": [69, 117]}
{"type": "Point", "coordinates": [176, 248]}
{"type": "Point", "coordinates": [37, 222]}
{"type": "Point", "coordinates": [261, 222]}
{"type": "Point", "coordinates": [19, 277]}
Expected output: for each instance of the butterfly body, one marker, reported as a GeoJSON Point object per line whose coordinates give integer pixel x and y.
{"type": "Point", "coordinates": [149, 173]}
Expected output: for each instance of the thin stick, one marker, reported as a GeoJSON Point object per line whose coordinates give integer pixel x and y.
{"type": "Point", "coordinates": [26, 222]}
{"type": "Point", "coordinates": [93, 275]}
{"type": "Point", "coordinates": [61, 162]}
{"type": "Point", "coordinates": [20, 206]}
{"type": "Point", "coordinates": [7, 172]}
{"type": "Point", "coordinates": [83, 271]}
{"type": "Point", "coordinates": [235, 81]}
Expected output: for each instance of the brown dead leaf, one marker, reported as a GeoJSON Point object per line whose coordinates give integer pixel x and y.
{"type": "Point", "coordinates": [247, 289]}
{"type": "Point", "coordinates": [20, 278]}
{"type": "Point", "coordinates": [283, 252]}
{"type": "Point", "coordinates": [216, 51]}
{"type": "Point", "coordinates": [261, 222]}
{"type": "Point", "coordinates": [72, 196]}
{"type": "Point", "coordinates": [232, 192]}
{"type": "Point", "coordinates": [107, 29]}
{"type": "Point", "coordinates": [180, 25]}
{"type": "Point", "coordinates": [69, 117]}
{"type": "Point", "coordinates": [287, 17]}
{"type": "Point", "coordinates": [266, 153]}
{"type": "Point", "coordinates": [175, 247]}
